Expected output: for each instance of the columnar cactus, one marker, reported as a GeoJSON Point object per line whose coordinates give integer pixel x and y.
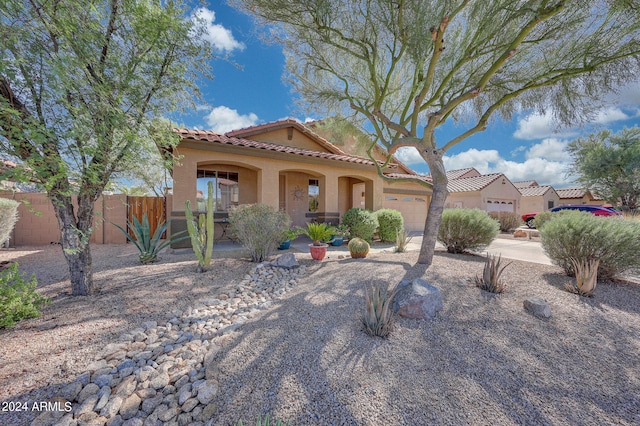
{"type": "Point", "coordinates": [202, 232]}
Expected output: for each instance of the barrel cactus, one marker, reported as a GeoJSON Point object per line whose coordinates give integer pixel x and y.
{"type": "Point", "coordinates": [358, 248]}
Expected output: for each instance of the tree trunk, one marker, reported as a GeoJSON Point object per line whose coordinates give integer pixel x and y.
{"type": "Point", "coordinates": [436, 206]}
{"type": "Point", "coordinates": [74, 239]}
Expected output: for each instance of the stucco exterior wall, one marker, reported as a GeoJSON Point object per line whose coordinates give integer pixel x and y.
{"type": "Point", "coordinates": [539, 203]}
{"type": "Point", "coordinates": [37, 223]}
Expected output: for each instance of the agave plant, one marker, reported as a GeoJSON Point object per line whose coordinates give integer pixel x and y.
{"type": "Point", "coordinates": [148, 245]}
{"type": "Point", "coordinates": [378, 314]}
{"type": "Point", "coordinates": [586, 271]}
{"type": "Point", "coordinates": [490, 280]}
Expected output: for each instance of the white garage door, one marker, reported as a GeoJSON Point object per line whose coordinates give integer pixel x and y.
{"type": "Point", "coordinates": [413, 209]}
{"type": "Point", "coordinates": [500, 206]}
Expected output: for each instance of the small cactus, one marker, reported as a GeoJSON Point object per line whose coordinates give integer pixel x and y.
{"type": "Point", "coordinates": [201, 231]}
{"type": "Point", "coordinates": [358, 248]}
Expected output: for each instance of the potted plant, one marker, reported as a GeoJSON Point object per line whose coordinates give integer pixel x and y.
{"type": "Point", "coordinates": [289, 235]}
{"type": "Point", "coordinates": [318, 232]}
{"type": "Point", "coordinates": [340, 233]}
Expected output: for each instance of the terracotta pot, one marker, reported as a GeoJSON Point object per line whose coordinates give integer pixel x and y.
{"type": "Point", "coordinates": [318, 252]}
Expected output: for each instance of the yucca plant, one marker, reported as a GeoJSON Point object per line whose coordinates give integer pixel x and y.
{"type": "Point", "coordinates": [490, 280]}
{"type": "Point", "coordinates": [266, 422]}
{"type": "Point", "coordinates": [586, 271]}
{"type": "Point", "coordinates": [402, 241]}
{"type": "Point", "coordinates": [378, 314]}
{"type": "Point", "coordinates": [148, 245]}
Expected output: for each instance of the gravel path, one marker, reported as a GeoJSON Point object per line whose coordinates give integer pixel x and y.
{"type": "Point", "coordinates": [483, 360]}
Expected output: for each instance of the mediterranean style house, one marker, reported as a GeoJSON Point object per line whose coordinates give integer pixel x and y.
{"type": "Point", "coordinates": [288, 166]}
{"type": "Point", "coordinates": [492, 192]}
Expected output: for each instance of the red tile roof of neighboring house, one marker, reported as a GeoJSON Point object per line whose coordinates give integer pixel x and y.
{"type": "Point", "coordinates": [525, 184]}
{"type": "Point", "coordinates": [534, 191]}
{"type": "Point", "coordinates": [209, 136]}
{"type": "Point", "coordinates": [572, 192]}
{"type": "Point", "coordinates": [471, 184]}
{"type": "Point", "coordinates": [408, 176]}
{"type": "Point", "coordinates": [456, 174]}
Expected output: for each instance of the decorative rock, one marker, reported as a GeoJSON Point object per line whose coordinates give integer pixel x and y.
{"type": "Point", "coordinates": [189, 404]}
{"type": "Point", "coordinates": [519, 233]}
{"type": "Point", "coordinates": [417, 299]}
{"type": "Point", "coordinates": [207, 391]}
{"type": "Point", "coordinates": [103, 394]}
{"type": "Point", "coordinates": [136, 421]}
{"type": "Point", "coordinates": [90, 389]}
{"type": "Point", "coordinates": [86, 406]}
{"type": "Point", "coordinates": [286, 261]}
{"type": "Point", "coordinates": [150, 405]}
{"type": "Point", "coordinates": [71, 391]}
{"type": "Point", "coordinates": [160, 381]}
{"type": "Point", "coordinates": [537, 306]}
{"type": "Point", "coordinates": [130, 407]}
{"type": "Point", "coordinates": [102, 380]}
{"type": "Point", "coordinates": [115, 421]}
{"type": "Point", "coordinates": [112, 407]}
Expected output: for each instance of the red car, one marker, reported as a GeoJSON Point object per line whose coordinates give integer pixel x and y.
{"type": "Point", "coordinates": [595, 210]}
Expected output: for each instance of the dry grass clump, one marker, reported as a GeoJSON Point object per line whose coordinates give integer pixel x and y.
{"type": "Point", "coordinates": [586, 271]}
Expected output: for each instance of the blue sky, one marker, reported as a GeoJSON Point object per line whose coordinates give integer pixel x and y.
{"type": "Point", "coordinates": [527, 148]}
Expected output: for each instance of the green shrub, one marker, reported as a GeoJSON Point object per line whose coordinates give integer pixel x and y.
{"type": "Point", "coordinates": [266, 422]}
{"type": "Point", "coordinates": [18, 298]}
{"type": "Point", "coordinates": [362, 223]}
{"type": "Point", "coordinates": [8, 218]}
{"type": "Point", "coordinates": [508, 221]}
{"type": "Point", "coordinates": [542, 218]}
{"type": "Point", "coordinates": [378, 313]}
{"type": "Point", "coordinates": [390, 222]}
{"type": "Point", "coordinates": [259, 228]}
{"type": "Point", "coordinates": [583, 236]}
{"type": "Point", "coordinates": [466, 229]}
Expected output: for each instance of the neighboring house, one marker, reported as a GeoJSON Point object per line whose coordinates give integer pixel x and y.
{"type": "Point", "coordinates": [288, 166]}
{"type": "Point", "coordinates": [578, 196]}
{"type": "Point", "coordinates": [462, 173]}
{"type": "Point", "coordinates": [492, 192]}
{"type": "Point", "coordinates": [525, 184]}
{"type": "Point", "coordinates": [538, 198]}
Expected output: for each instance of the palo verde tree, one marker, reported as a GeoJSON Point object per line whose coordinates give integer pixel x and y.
{"type": "Point", "coordinates": [407, 67]}
{"type": "Point", "coordinates": [609, 164]}
{"type": "Point", "coordinates": [80, 84]}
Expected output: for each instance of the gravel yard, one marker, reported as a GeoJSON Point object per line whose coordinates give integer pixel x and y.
{"type": "Point", "coordinates": [483, 360]}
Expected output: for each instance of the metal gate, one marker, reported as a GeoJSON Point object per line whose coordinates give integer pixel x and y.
{"type": "Point", "coordinates": [154, 207]}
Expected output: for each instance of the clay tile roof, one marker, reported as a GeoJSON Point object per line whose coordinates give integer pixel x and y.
{"type": "Point", "coordinates": [280, 124]}
{"type": "Point", "coordinates": [534, 191]}
{"type": "Point", "coordinates": [457, 174]}
{"type": "Point", "coordinates": [414, 176]}
{"type": "Point", "coordinates": [571, 192]}
{"type": "Point", "coordinates": [525, 184]}
{"type": "Point", "coordinates": [471, 184]}
{"type": "Point", "coordinates": [209, 136]}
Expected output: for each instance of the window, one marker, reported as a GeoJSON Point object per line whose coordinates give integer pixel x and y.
{"type": "Point", "coordinates": [550, 204]}
{"type": "Point", "coordinates": [314, 192]}
{"type": "Point", "coordinates": [225, 189]}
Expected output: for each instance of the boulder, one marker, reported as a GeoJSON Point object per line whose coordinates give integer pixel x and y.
{"type": "Point", "coordinates": [537, 306]}
{"type": "Point", "coordinates": [417, 299]}
{"type": "Point", "coordinates": [519, 233]}
{"type": "Point", "coordinates": [286, 261]}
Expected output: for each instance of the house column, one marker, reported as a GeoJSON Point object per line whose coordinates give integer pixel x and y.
{"type": "Point", "coordinates": [373, 194]}
{"type": "Point", "coordinates": [269, 187]}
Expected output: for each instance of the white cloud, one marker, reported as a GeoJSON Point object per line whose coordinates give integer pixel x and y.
{"type": "Point", "coordinates": [536, 126]}
{"type": "Point", "coordinates": [610, 115]}
{"type": "Point", "coordinates": [224, 119]}
{"type": "Point", "coordinates": [409, 155]}
{"type": "Point", "coordinates": [550, 149]}
{"type": "Point", "coordinates": [220, 38]}
{"type": "Point", "coordinates": [543, 170]}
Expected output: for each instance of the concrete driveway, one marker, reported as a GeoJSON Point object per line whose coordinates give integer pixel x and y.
{"type": "Point", "coordinates": [520, 249]}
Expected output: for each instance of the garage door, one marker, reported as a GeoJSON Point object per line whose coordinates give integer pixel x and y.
{"type": "Point", "coordinates": [413, 209]}
{"type": "Point", "coordinates": [500, 206]}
